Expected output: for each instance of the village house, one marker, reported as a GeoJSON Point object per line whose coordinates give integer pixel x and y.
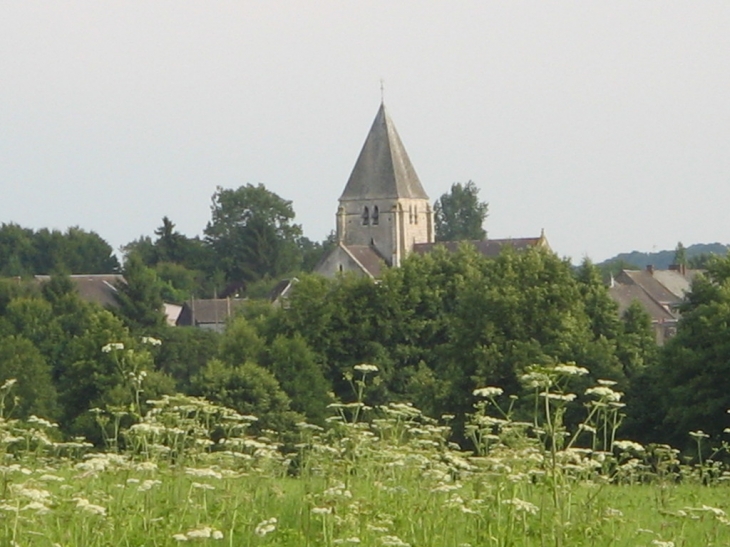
{"type": "Point", "coordinates": [658, 292]}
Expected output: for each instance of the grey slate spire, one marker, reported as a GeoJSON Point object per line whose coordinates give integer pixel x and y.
{"type": "Point", "coordinates": [383, 169]}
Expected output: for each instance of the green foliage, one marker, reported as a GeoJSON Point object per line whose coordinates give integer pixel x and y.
{"type": "Point", "coordinates": [252, 234]}
{"type": "Point", "coordinates": [24, 252]}
{"type": "Point", "coordinates": [241, 343]}
{"type": "Point", "coordinates": [34, 393]}
{"type": "Point", "coordinates": [444, 323]}
{"type": "Point", "coordinates": [295, 366]}
{"type": "Point", "coordinates": [140, 298]}
{"type": "Point", "coordinates": [459, 215]}
{"type": "Point", "coordinates": [249, 389]}
{"type": "Point", "coordinates": [680, 254]}
{"type": "Point", "coordinates": [184, 352]}
{"type": "Point", "coordinates": [694, 374]}
{"type": "Point", "coordinates": [637, 347]}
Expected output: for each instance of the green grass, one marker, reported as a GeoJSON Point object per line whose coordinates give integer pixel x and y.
{"type": "Point", "coordinates": [390, 478]}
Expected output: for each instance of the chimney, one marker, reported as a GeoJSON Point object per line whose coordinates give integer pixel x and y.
{"type": "Point", "coordinates": [650, 269]}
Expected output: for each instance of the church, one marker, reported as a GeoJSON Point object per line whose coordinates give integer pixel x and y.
{"type": "Point", "coordinates": [384, 213]}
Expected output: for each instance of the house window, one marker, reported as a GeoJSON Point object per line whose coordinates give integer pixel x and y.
{"type": "Point", "coordinates": [376, 215]}
{"type": "Point", "coordinates": [365, 216]}
{"type": "Point", "coordinates": [410, 214]}
{"type": "Point", "coordinates": [415, 214]}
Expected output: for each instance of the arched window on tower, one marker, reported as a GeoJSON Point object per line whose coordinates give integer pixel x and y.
{"type": "Point", "coordinates": [410, 214]}
{"type": "Point", "coordinates": [415, 214]}
{"type": "Point", "coordinates": [365, 216]}
{"type": "Point", "coordinates": [376, 215]}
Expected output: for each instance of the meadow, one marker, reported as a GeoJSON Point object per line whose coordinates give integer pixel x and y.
{"type": "Point", "coordinates": [189, 471]}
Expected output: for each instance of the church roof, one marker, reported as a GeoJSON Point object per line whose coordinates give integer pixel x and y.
{"type": "Point", "coordinates": [486, 247]}
{"type": "Point", "coordinates": [383, 169]}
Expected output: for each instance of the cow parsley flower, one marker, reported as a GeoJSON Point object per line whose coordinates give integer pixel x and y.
{"type": "Point", "coordinates": [151, 341]}
{"type": "Point", "coordinates": [112, 346]}
{"type": "Point", "coordinates": [266, 526]}
{"type": "Point", "coordinates": [571, 370]}
{"type": "Point", "coordinates": [488, 392]}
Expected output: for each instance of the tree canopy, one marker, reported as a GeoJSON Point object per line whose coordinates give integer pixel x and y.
{"type": "Point", "coordinates": [25, 252]}
{"type": "Point", "coordinates": [459, 215]}
{"type": "Point", "coordinates": [252, 233]}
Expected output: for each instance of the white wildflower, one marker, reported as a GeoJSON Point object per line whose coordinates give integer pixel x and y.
{"type": "Point", "coordinates": [50, 478]}
{"type": "Point", "coordinates": [571, 370]}
{"type": "Point", "coordinates": [353, 539]}
{"type": "Point", "coordinates": [201, 533]}
{"type": "Point", "coordinates": [203, 472]}
{"type": "Point", "coordinates": [266, 526]}
{"type": "Point", "coordinates": [604, 392]}
{"type": "Point", "coordinates": [83, 503]}
{"type": "Point", "coordinates": [112, 346]}
{"type": "Point", "coordinates": [394, 541]}
{"type": "Point", "coordinates": [488, 392]}
{"type": "Point", "coordinates": [364, 367]}
{"type": "Point", "coordinates": [699, 434]}
{"type": "Point", "coordinates": [217, 534]}
{"type": "Point", "coordinates": [36, 506]}
{"type": "Point", "coordinates": [607, 383]}
{"type": "Point", "coordinates": [321, 510]}
{"type": "Point", "coordinates": [658, 543]}
{"type": "Point", "coordinates": [151, 341]}
{"type": "Point", "coordinates": [10, 382]}
{"type": "Point", "coordinates": [522, 506]}
{"type": "Point", "coordinates": [558, 396]}
{"type": "Point", "coordinates": [33, 494]}
{"type": "Point", "coordinates": [148, 484]}
{"type": "Point", "coordinates": [628, 445]}
{"type": "Point", "coordinates": [179, 537]}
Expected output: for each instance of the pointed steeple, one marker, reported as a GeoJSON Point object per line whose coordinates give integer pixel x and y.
{"type": "Point", "coordinates": [383, 169]}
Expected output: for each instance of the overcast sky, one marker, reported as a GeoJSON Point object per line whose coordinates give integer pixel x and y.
{"type": "Point", "coordinates": [605, 123]}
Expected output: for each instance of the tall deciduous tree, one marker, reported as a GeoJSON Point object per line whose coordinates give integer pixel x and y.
{"type": "Point", "coordinates": [252, 233]}
{"type": "Point", "coordinates": [459, 215]}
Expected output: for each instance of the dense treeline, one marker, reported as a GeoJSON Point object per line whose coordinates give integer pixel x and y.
{"type": "Point", "coordinates": [437, 328]}
{"type": "Point", "coordinates": [250, 242]}
{"type": "Point", "coordinates": [25, 252]}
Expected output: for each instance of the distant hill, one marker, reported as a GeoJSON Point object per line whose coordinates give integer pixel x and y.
{"type": "Point", "coordinates": [663, 259]}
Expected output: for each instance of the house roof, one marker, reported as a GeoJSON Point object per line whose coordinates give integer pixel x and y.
{"type": "Point", "coordinates": [96, 288]}
{"type": "Point", "coordinates": [282, 288]}
{"type": "Point", "coordinates": [486, 247]}
{"type": "Point", "coordinates": [383, 169]}
{"type": "Point", "coordinates": [367, 257]}
{"type": "Point", "coordinates": [625, 294]}
{"type": "Point", "coordinates": [676, 282]}
{"type": "Point", "coordinates": [650, 283]}
{"type": "Point", "coordinates": [209, 311]}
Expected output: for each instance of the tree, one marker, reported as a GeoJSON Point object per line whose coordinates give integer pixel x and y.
{"type": "Point", "coordinates": [693, 374]}
{"type": "Point", "coordinates": [248, 389]}
{"type": "Point", "coordinates": [299, 375]}
{"type": "Point", "coordinates": [252, 234]}
{"type": "Point", "coordinates": [34, 390]}
{"type": "Point", "coordinates": [459, 215]}
{"type": "Point", "coordinates": [140, 299]}
{"type": "Point", "coordinates": [680, 254]}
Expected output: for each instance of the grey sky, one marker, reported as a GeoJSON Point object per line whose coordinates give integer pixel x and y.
{"type": "Point", "coordinates": [606, 123]}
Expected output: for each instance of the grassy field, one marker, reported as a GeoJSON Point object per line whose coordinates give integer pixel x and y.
{"type": "Point", "coordinates": [385, 476]}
